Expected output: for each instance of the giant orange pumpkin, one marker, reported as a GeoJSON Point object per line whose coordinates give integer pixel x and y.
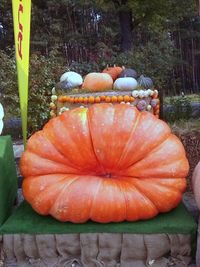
{"type": "Point", "coordinates": [107, 163]}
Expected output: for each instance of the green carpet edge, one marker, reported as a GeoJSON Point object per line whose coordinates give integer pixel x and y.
{"type": "Point", "coordinates": [25, 220]}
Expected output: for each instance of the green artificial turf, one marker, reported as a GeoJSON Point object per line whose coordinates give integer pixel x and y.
{"type": "Point", "coordinates": [8, 178]}
{"type": "Point", "coordinates": [26, 220]}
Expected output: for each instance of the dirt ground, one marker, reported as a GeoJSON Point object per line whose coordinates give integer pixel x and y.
{"type": "Point", "coordinates": [191, 142]}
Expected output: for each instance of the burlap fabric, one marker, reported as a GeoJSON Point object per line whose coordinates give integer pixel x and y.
{"type": "Point", "coordinates": [96, 250]}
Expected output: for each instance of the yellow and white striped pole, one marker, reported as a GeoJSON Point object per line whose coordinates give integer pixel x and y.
{"type": "Point", "coordinates": [22, 20]}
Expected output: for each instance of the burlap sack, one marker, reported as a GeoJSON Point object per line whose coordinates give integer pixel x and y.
{"type": "Point", "coordinates": [96, 250]}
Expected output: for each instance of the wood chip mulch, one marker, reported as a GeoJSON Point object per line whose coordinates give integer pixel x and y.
{"type": "Point", "coordinates": [191, 142]}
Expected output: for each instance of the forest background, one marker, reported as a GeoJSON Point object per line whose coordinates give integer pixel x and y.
{"type": "Point", "coordinates": [158, 38]}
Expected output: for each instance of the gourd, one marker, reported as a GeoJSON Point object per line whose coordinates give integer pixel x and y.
{"type": "Point", "coordinates": [196, 184]}
{"type": "Point", "coordinates": [141, 105]}
{"type": "Point", "coordinates": [70, 80]}
{"type": "Point", "coordinates": [128, 73]}
{"type": "Point", "coordinates": [107, 163]}
{"type": "Point", "coordinates": [96, 82]}
{"type": "Point", "coordinates": [145, 82]}
{"type": "Point", "coordinates": [113, 71]}
{"type": "Point", "coordinates": [127, 83]}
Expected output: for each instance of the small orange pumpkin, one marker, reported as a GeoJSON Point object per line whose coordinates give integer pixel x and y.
{"type": "Point", "coordinates": [120, 98]}
{"type": "Point", "coordinates": [103, 97]}
{"type": "Point", "coordinates": [85, 100]}
{"type": "Point", "coordinates": [114, 99]}
{"type": "Point", "coordinates": [71, 100]}
{"type": "Point", "coordinates": [91, 99]}
{"type": "Point", "coordinates": [113, 71]}
{"type": "Point", "coordinates": [96, 82]}
{"type": "Point", "coordinates": [97, 99]}
{"type": "Point", "coordinates": [126, 98]}
{"type": "Point", "coordinates": [107, 100]}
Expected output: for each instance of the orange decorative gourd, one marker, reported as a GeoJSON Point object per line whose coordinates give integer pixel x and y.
{"type": "Point", "coordinates": [107, 163]}
{"type": "Point", "coordinates": [96, 82]}
{"type": "Point", "coordinates": [113, 71]}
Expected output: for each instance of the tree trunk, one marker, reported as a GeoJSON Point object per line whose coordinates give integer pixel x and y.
{"type": "Point", "coordinates": [126, 25]}
{"type": "Point", "coordinates": [198, 7]}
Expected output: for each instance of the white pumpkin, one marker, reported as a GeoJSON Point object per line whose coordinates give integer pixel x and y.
{"type": "Point", "coordinates": [71, 79]}
{"type": "Point", "coordinates": [135, 93]}
{"type": "Point", "coordinates": [1, 118]}
{"type": "Point", "coordinates": [150, 92]}
{"type": "Point", "coordinates": [141, 94]}
{"type": "Point", "coordinates": [126, 83]}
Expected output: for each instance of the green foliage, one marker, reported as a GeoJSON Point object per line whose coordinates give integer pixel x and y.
{"type": "Point", "coordinates": [8, 80]}
{"type": "Point", "coordinates": [44, 72]}
{"type": "Point", "coordinates": [84, 67]}
{"type": "Point", "coordinates": [155, 59]}
{"type": "Point", "coordinates": [180, 109]}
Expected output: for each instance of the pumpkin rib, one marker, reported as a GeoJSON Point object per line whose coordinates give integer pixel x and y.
{"type": "Point", "coordinates": [92, 144]}
{"type": "Point", "coordinates": [124, 155]}
{"type": "Point", "coordinates": [157, 194]}
{"type": "Point", "coordinates": [82, 205]}
{"type": "Point", "coordinates": [94, 197]}
{"type": "Point", "coordinates": [35, 182]}
{"type": "Point", "coordinates": [129, 208]}
{"type": "Point", "coordinates": [92, 140]}
{"type": "Point", "coordinates": [158, 174]}
{"type": "Point", "coordinates": [126, 199]}
{"type": "Point", "coordinates": [92, 154]}
{"type": "Point", "coordinates": [74, 133]}
{"type": "Point", "coordinates": [124, 196]}
{"type": "Point", "coordinates": [59, 151]}
{"type": "Point", "coordinates": [109, 200]}
{"type": "Point", "coordinates": [55, 140]}
{"type": "Point", "coordinates": [42, 148]}
{"type": "Point", "coordinates": [135, 124]}
{"type": "Point", "coordinates": [37, 165]}
{"type": "Point", "coordinates": [161, 142]}
{"type": "Point", "coordinates": [147, 204]}
{"type": "Point", "coordinates": [156, 149]}
{"type": "Point", "coordinates": [62, 154]}
{"type": "Point", "coordinates": [53, 188]}
{"type": "Point", "coordinates": [171, 166]}
{"type": "Point", "coordinates": [177, 183]}
{"type": "Point", "coordinates": [45, 129]}
{"type": "Point", "coordinates": [108, 138]}
{"type": "Point", "coordinates": [144, 195]}
{"type": "Point", "coordinates": [132, 132]}
{"type": "Point", "coordinates": [65, 186]}
{"type": "Point", "coordinates": [134, 182]}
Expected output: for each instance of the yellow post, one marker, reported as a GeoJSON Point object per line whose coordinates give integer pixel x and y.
{"type": "Point", "coordinates": [21, 18]}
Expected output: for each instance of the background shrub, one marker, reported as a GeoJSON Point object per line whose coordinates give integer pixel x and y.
{"type": "Point", "coordinates": [44, 72]}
